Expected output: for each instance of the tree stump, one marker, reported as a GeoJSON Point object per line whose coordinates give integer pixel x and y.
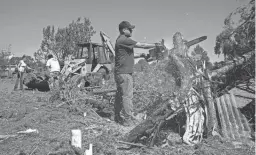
{"type": "Point", "coordinates": [182, 68]}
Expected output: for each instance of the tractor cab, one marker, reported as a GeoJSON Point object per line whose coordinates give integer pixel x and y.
{"type": "Point", "coordinates": [93, 54]}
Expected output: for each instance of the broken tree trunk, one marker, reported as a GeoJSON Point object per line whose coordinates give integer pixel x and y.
{"type": "Point", "coordinates": [178, 65]}
{"type": "Point", "coordinates": [212, 123]}
{"type": "Point", "coordinates": [154, 123]}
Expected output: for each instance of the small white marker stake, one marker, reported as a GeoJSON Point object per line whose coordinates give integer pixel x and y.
{"type": "Point", "coordinates": [76, 139]}
{"type": "Point", "coordinates": [89, 152]}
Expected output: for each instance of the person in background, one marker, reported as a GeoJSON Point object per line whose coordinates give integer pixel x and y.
{"type": "Point", "coordinates": [21, 71]}
{"type": "Point", "coordinates": [124, 64]}
{"type": "Point", "coordinates": [53, 67]}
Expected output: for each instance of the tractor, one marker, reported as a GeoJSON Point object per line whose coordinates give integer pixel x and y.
{"type": "Point", "coordinates": [91, 61]}
{"type": "Point", "coordinates": [90, 65]}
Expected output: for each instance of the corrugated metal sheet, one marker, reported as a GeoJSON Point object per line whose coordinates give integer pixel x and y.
{"type": "Point", "coordinates": [233, 123]}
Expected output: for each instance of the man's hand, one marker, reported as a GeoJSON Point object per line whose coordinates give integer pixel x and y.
{"type": "Point", "coordinates": [160, 44]}
{"type": "Point", "coordinates": [29, 68]}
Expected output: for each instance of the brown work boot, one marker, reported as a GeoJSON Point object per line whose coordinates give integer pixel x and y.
{"type": "Point", "coordinates": [118, 119]}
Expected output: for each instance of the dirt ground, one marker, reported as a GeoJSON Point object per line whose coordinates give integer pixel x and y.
{"type": "Point", "coordinates": [22, 110]}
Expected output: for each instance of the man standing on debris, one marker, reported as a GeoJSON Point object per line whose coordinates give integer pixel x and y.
{"type": "Point", "coordinates": [54, 69]}
{"type": "Point", "coordinates": [21, 71]}
{"type": "Point", "coordinates": [124, 63]}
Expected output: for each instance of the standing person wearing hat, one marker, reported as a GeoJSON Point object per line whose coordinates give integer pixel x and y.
{"type": "Point", "coordinates": [124, 63]}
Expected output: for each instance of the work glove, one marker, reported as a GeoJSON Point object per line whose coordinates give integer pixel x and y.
{"type": "Point", "coordinates": [160, 44]}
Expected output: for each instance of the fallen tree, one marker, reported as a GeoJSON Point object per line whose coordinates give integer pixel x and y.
{"type": "Point", "coordinates": [163, 114]}
{"type": "Point", "coordinates": [186, 99]}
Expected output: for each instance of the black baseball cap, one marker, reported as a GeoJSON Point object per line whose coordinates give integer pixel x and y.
{"type": "Point", "coordinates": [126, 24]}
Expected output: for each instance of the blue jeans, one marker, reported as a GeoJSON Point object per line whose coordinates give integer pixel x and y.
{"type": "Point", "coordinates": [20, 78]}
{"type": "Point", "coordinates": [124, 94]}
{"type": "Point", "coordinates": [54, 80]}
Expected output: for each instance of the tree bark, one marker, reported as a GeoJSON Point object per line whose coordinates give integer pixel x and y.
{"type": "Point", "coordinates": [212, 122]}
